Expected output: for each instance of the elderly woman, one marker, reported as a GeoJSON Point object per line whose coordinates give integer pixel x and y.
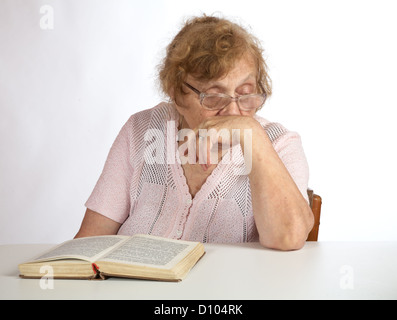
{"type": "Point", "coordinates": [216, 78]}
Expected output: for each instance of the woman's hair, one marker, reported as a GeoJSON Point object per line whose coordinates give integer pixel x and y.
{"type": "Point", "coordinates": [208, 48]}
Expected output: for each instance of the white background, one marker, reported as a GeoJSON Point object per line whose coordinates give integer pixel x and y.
{"type": "Point", "coordinates": [66, 92]}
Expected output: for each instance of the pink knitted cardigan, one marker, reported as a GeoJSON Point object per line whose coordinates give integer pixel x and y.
{"type": "Point", "coordinates": [152, 197]}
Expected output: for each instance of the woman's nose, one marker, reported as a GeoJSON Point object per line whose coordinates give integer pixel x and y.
{"type": "Point", "coordinates": [231, 110]}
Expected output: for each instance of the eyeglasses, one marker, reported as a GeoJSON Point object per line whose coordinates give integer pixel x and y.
{"type": "Point", "coordinates": [219, 101]}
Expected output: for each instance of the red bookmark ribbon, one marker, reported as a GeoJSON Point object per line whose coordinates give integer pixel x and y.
{"type": "Point", "coordinates": [95, 268]}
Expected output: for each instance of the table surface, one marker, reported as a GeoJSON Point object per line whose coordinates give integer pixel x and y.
{"type": "Point", "coordinates": [321, 270]}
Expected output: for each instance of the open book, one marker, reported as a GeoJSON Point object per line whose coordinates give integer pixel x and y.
{"type": "Point", "coordinates": [139, 256]}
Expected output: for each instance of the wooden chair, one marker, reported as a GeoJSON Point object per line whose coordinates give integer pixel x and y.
{"type": "Point", "coordinates": [315, 204]}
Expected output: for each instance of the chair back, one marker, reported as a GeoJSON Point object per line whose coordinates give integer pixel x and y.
{"type": "Point", "coordinates": [315, 204]}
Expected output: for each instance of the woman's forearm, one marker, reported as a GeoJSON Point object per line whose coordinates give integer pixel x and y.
{"type": "Point", "coordinates": [282, 215]}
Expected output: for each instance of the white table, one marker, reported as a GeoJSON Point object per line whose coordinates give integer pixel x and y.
{"type": "Point", "coordinates": [323, 270]}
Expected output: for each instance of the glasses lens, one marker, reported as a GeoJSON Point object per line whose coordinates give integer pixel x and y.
{"type": "Point", "coordinates": [251, 102]}
{"type": "Point", "coordinates": [215, 101]}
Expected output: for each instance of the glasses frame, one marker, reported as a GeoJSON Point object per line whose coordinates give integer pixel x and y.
{"type": "Point", "coordinates": [203, 95]}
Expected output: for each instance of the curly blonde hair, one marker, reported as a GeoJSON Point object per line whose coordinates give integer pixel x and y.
{"type": "Point", "coordinates": [207, 48]}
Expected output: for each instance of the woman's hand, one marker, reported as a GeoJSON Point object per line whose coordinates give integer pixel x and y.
{"type": "Point", "coordinates": [282, 216]}
{"type": "Point", "coordinates": [216, 135]}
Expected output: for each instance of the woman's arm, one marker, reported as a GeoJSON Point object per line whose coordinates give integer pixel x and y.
{"type": "Point", "coordinates": [282, 215]}
{"type": "Point", "coordinates": [95, 224]}
{"type": "Point", "coordinates": [111, 193]}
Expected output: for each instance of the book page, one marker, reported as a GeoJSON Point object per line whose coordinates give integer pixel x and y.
{"type": "Point", "coordinates": [150, 251]}
{"type": "Point", "coordinates": [88, 249]}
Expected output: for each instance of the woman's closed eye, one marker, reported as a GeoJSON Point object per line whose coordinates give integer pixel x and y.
{"type": "Point", "coordinates": [245, 90]}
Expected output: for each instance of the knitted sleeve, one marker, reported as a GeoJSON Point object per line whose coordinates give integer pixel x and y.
{"type": "Point", "coordinates": [290, 151]}
{"type": "Point", "coordinates": [288, 146]}
{"type": "Point", "coordinates": [111, 196]}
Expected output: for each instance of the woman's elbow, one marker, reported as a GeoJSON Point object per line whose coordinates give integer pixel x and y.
{"type": "Point", "coordinates": [286, 243]}
{"type": "Point", "coordinates": [290, 238]}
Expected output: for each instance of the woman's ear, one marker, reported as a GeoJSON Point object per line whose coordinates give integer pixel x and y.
{"type": "Point", "coordinates": [171, 93]}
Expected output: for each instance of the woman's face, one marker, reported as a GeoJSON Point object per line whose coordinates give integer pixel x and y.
{"type": "Point", "coordinates": [239, 81]}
